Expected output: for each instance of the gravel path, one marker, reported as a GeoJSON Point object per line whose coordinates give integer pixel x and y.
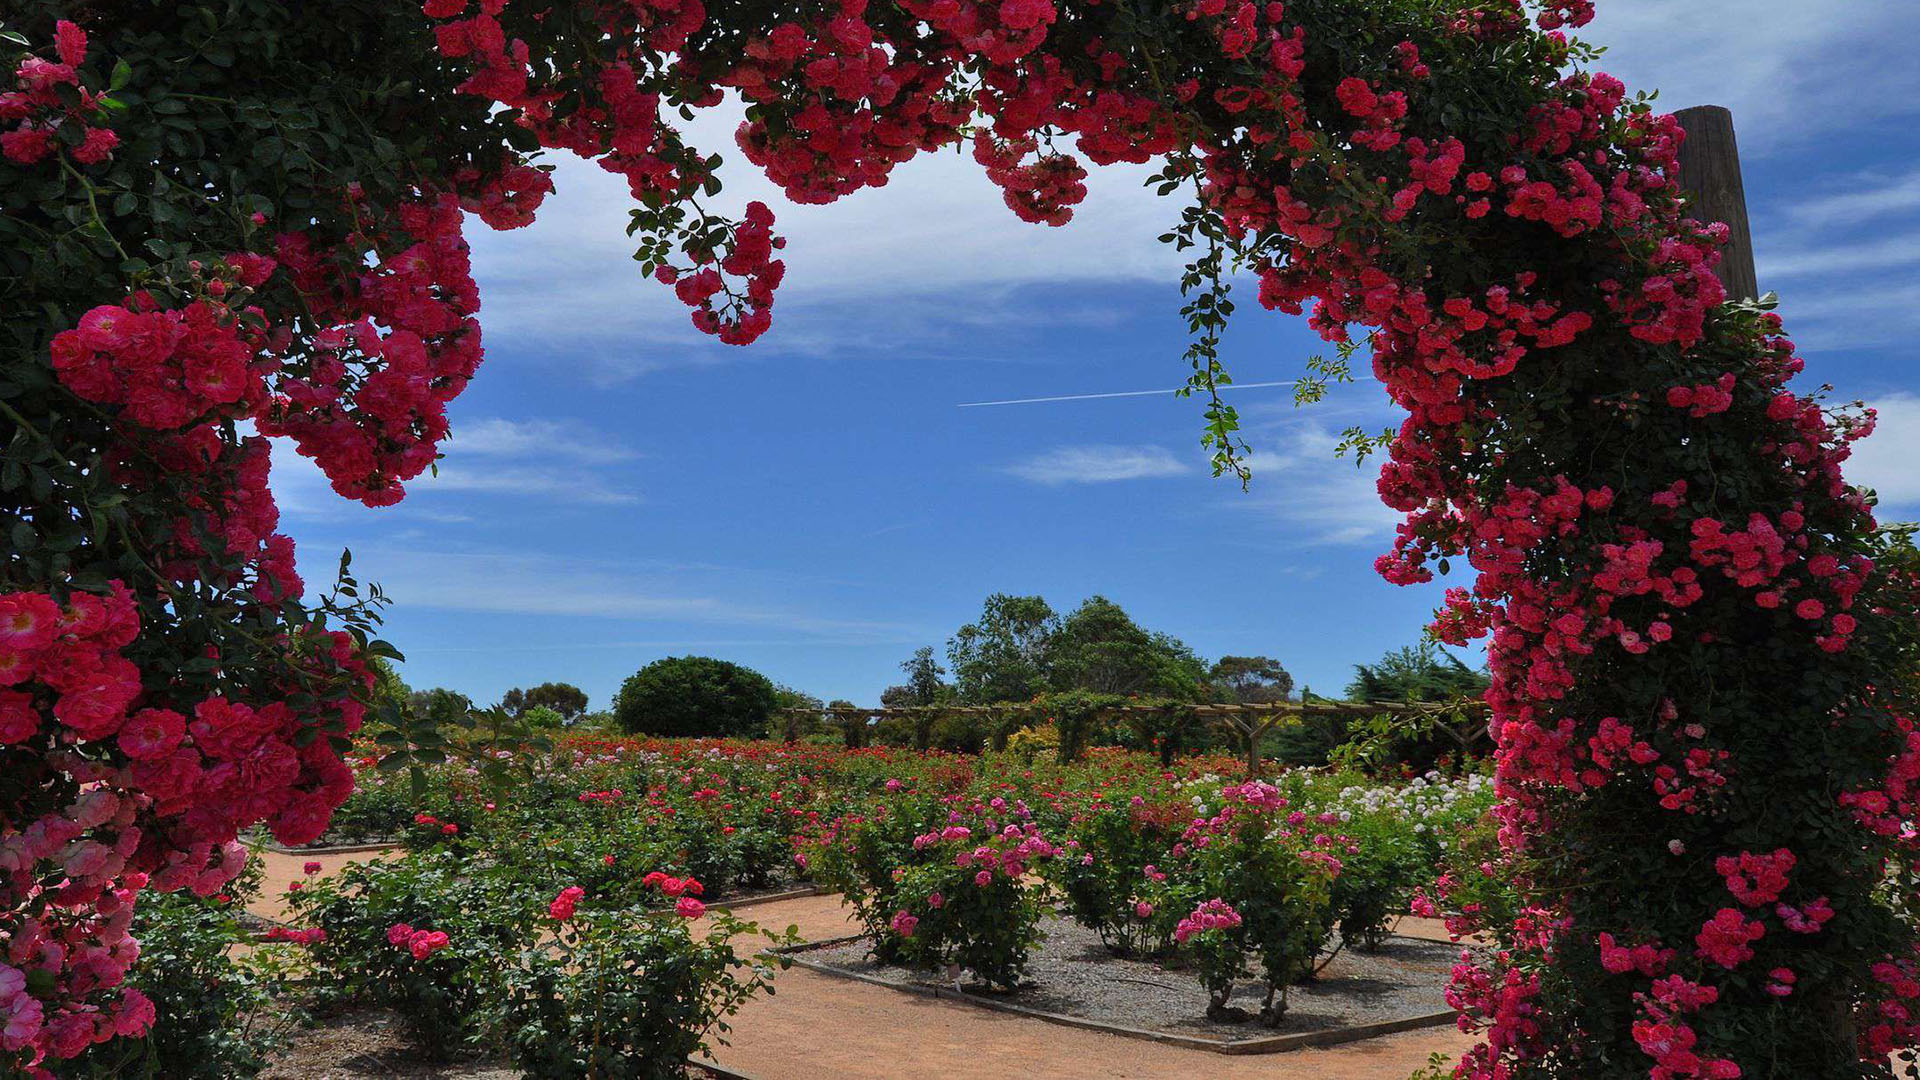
{"type": "Point", "coordinates": [1073, 974]}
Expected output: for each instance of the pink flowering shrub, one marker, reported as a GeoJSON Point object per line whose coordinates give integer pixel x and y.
{"type": "Point", "coordinates": [211, 993]}
{"type": "Point", "coordinates": [1110, 872]}
{"type": "Point", "coordinates": [1253, 887]}
{"type": "Point", "coordinates": [956, 892]}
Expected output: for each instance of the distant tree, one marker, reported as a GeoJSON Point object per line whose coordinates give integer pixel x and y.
{"type": "Point", "coordinates": [926, 683]}
{"type": "Point", "coordinates": [1249, 680]}
{"type": "Point", "coordinates": [1100, 649]}
{"type": "Point", "coordinates": [543, 718]}
{"type": "Point", "coordinates": [389, 689]}
{"type": "Point", "coordinates": [786, 697]}
{"type": "Point", "coordinates": [1422, 672]}
{"type": "Point", "coordinates": [1003, 656]}
{"type": "Point", "coordinates": [564, 698]}
{"type": "Point", "coordinates": [853, 727]}
{"type": "Point", "coordinates": [695, 696]}
{"type": "Point", "coordinates": [439, 704]}
{"type": "Point", "coordinates": [794, 726]}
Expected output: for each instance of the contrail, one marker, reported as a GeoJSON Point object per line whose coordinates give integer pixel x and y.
{"type": "Point", "coordinates": [1119, 394]}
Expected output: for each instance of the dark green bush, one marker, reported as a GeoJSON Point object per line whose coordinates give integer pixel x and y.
{"type": "Point", "coordinates": [695, 696]}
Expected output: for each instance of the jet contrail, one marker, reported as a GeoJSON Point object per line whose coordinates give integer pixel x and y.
{"type": "Point", "coordinates": [1119, 394]}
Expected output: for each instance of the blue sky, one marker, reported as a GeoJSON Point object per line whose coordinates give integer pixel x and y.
{"type": "Point", "coordinates": [621, 488]}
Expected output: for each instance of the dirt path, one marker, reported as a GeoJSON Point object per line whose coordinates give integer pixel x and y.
{"type": "Point", "coordinates": [817, 1027]}
{"type": "Point", "coordinates": [282, 870]}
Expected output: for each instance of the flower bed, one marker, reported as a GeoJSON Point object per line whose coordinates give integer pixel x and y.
{"type": "Point", "coordinates": [1072, 978]}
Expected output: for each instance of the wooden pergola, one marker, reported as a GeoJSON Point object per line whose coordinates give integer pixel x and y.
{"type": "Point", "coordinates": [1460, 719]}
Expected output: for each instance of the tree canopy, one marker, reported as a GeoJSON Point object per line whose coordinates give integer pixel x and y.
{"type": "Point", "coordinates": [563, 698]}
{"type": "Point", "coordinates": [1019, 648]}
{"type": "Point", "coordinates": [695, 696]}
{"type": "Point", "coordinates": [1420, 672]}
{"type": "Point", "coordinates": [1002, 656]}
{"type": "Point", "coordinates": [1249, 680]}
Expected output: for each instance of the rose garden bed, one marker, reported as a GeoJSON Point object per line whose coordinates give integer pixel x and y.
{"type": "Point", "coordinates": [1073, 979]}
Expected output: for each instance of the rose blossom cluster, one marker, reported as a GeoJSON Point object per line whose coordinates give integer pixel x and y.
{"type": "Point", "coordinates": [34, 113]}
{"type": "Point", "coordinates": [397, 341]}
{"type": "Point", "coordinates": [144, 795]}
{"type": "Point", "coordinates": [1002, 839]}
{"type": "Point", "coordinates": [1215, 914]}
{"type": "Point", "coordinates": [419, 944]}
{"type": "Point", "coordinates": [617, 123]}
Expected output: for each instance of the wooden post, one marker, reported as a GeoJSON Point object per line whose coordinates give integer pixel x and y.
{"type": "Point", "coordinates": [1710, 179]}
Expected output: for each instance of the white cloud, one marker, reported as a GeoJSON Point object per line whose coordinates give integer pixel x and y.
{"type": "Point", "coordinates": [1833, 257]}
{"type": "Point", "coordinates": [554, 483]}
{"type": "Point", "coordinates": [1848, 314]}
{"type": "Point", "coordinates": [532, 459]}
{"type": "Point", "coordinates": [1098, 464]}
{"type": "Point", "coordinates": [1885, 460]}
{"type": "Point", "coordinates": [1870, 196]}
{"type": "Point", "coordinates": [494, 437]}
{"type": "Point", "coordinates": [1323, 499]}
{"type": "Point", "coordinates": [1788, 69]}
{"type": "Point", "coordinates": [504, 583]}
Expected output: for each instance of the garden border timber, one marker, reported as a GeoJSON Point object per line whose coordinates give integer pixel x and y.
{"type": "Point", "coordinates": [1237, 717]}
{"type": "Point", "coordinates": [1266, 1044]}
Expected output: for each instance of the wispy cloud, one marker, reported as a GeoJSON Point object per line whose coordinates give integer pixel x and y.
{"type": "Point", "coordinates": [554, 483]}
{"type": "Point", "coordinates": [1317, 497]}
{"type": "Point", "coordinates": [495, 437]}
{"type": "Point", "coordinates": [1885, 460]}
{"type": "Point", "coordinates": [1099, 464]}
{"type": "Point", "coordinates": [1829, 256]}
{"type": "Point", "coordinates": [523, 584]}
{"type": "Point", "coordinates": [532, 459]}
{"type": "Point", "coordinates": [1863, 199]}
{"type": "Point", "coordinates": [1836, 257]}
{"type": "Point", "coordinates": [1775, 63]}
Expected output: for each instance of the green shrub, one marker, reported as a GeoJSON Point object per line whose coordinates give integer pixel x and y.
{"type": "Point", "coordinates": [439, 995]}
{"type": "Point", "coordinates": [627, 994]}
{"type": "Point", "coordinates": [695, 696]}
{"type": "Point", "coordinates": [214, 1016]}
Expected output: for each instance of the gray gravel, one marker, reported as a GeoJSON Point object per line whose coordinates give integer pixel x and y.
{"type": "Point", "coordinates": [1073, 974]}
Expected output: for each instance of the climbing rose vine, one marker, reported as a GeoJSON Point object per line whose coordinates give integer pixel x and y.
{"type": "Point", "coordinates": [230, 221]}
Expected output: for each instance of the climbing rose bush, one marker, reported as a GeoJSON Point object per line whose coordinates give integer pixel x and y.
{"type": "Point", "coordinates": [1694, 624]}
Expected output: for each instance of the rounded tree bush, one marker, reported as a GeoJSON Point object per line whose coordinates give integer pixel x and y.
{"type": "Point", "coordinates": [695, 696]}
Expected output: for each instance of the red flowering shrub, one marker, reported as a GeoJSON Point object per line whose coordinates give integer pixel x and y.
{"type": "Point", "coordinates": [621, 993]}
{"type": "Point", "coordinates": [1694, 624]}
{"type": "Point", "coordinates": [427, 935]}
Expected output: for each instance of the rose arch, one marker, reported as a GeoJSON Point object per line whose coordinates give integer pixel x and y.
{"type": "Point", "coordinates": [225, 221]}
